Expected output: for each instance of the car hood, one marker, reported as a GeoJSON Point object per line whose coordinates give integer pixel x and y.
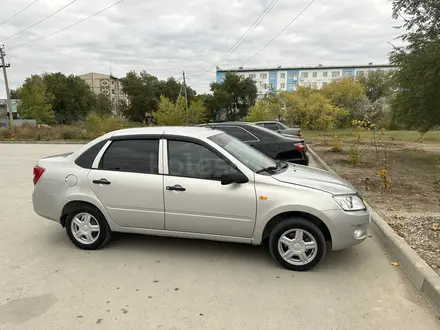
{"type": "Point", "coordinates": [316, 179]}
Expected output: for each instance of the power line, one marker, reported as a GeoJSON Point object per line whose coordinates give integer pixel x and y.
{"type": "Point", "coordinates": [40, 21]}
{"type": "Point", "coordinates": [67, 27]}
{"type": "Point", "coordinates": [13, 16]}
{"type": "Point", "coordinates": [290, 23]}
{"type": "Point", "coordinates": [245, 35]}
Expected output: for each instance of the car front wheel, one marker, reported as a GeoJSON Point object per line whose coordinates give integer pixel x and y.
{"type": "Point", "coordinates": [297, 244]}
{"type": "Point", "coordinates": [87, 228]}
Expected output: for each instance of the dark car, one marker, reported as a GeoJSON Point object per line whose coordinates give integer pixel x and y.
{"type": "Point", "coordinates": [280, 127]}
{"type": "Point", "coordinates": [275, 145]}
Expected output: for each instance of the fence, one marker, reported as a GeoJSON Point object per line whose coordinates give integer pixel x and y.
{"type": "Point", "coordinates": [17, 122]}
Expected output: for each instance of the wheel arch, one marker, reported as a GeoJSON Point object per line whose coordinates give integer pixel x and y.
{"type": "Point", "coordinates": [71, 206]}
{"type": "Point", "coordinates": [272, 223]}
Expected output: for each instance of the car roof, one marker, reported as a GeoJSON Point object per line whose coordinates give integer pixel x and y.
{"type": "Point", "coordinates": [267, 122]}
{"type": "Point", "coordinates": [229, 123]}
{"type": "Point", "coordinates": [189, 131]}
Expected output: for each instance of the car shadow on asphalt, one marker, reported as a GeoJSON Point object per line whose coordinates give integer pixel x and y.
{"type": "Point", "coordinates": [206, 251]}
{"type": "Point", "coordinates": [235, 252]}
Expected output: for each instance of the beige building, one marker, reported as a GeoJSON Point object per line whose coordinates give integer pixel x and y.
{"type": "Point", "coordinates": [105, 84]}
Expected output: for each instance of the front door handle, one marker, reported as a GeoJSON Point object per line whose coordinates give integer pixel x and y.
{"type": "Point", "coordinates": [102, 181]}
{"type": "Point", "coordinates": [176, 187]}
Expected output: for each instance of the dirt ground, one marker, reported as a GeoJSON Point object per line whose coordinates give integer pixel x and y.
{"type": "Point", "coordinates": [411, 205]}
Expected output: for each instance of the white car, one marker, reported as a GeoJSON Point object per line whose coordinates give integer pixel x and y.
{"type": "Point", "coordinates": [197, 182]}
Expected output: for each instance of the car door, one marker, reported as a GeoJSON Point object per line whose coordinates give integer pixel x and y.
{"type": "Point", "coordinates": [128, 183]}
{"type": "Point", "coordinates": [195, 199]}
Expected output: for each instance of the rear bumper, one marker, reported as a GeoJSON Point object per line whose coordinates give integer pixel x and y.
{"type": "Point", "coordinates": [347, 229]}
{"type": "Point", "coordinates": [46, 205]}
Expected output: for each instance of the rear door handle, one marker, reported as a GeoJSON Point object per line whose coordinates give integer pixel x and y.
{"type": "Point", "coordinates": [101, 181]}
{"type": "Point", "coordinates": [176, 187]}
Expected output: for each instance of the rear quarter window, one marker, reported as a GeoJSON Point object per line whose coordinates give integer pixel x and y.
{"type": "Point", "coordinates": [86, 159]}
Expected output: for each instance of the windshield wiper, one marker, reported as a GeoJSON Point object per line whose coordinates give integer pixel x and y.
{"type": "Point", "coordinates": [279, 165]}
{"type": "Point", "coordinates": [267, 169]}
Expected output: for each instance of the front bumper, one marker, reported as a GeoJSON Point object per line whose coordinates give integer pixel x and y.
{"type": "Point", "coordinates": [347, 229]}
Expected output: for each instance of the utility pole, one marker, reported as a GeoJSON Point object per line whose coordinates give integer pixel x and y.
{"type": "Point", "coordinates": [186, 94]}
{"type": "Point", "coordinates": [5, 74]}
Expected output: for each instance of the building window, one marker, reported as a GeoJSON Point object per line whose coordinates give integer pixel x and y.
{"type": "Point", "coordinates": [304, 74]}
{"type": "Point", "coordinates": [263, 75]}
{"type": "Point", "coordinates": [272, 86]}
{"type": "Point", "coordinates": [348, 74]}
{"type": "Point", "coordinates": [263, 86]}
{"type": "Point", "coordinates": [252, 76]}
{"type": "Point", "coordinates": [283, 75]}
{"type": "Point", "coordinates": [335, 74]}
{"type": "Point", "coordinates": [323, 84]}
{"type": "Point", "coordinates": [360, 73]}
{"type": "Point", "coordinates": [314, 85]}
{"type": "Point", "coordinates": [315, 74]}
{"type": "Point", "coordinates": [113, 92]}
{"type": "Point", "coordinates": [282, 85]}
{"type": "Point", "coordinates": [325, 74]}
{"type": "Point", "coordinates": [289, 87]}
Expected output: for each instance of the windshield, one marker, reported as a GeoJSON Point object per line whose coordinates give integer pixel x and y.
{"type": "Point", "coordinates": [249, 156]}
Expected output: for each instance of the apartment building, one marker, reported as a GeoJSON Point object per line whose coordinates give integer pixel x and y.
{"type": "Point", "coordinates": [288, 79]}
{"type": "Point", "coordinates": [105, 84]}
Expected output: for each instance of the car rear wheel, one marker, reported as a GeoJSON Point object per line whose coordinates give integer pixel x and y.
{"type": "Point", "coordinates": [87, 228]}
{"type": "Point", "coordinates": [297, 244]}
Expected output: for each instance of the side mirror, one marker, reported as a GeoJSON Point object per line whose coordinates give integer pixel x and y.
{"type": "Point", "coordinates": [233, 176]}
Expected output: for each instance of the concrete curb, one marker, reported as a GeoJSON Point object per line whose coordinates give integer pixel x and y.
{"type": "Point", "coordinates": [423, 276]}
{"type": "Point", "coordinates": [43, 142]}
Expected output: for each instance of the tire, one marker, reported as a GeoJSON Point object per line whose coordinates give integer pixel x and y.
{"type": "Point", "coordinates": [299, 253]}
{"type": "Point", "coordinates": [96, 226]}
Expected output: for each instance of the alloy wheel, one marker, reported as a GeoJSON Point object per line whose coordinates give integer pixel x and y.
{"type": "Point", "coordinates": [85, 228]}
{"type": "Point", "coordinates": [297, 247]}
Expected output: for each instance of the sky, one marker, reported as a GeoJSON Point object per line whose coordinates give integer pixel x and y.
{"type": "Point", "coordinates": [167, 37]}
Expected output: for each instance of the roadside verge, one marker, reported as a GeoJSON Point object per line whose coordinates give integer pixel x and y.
{"type": "Point", "coordinates": [422, 275]}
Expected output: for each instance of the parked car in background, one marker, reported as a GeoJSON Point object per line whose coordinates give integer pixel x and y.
{"type": "Point", "coordinates": [280, 127]}
{"type": "Point", "coordinates": [196, 182]}
{"type": "Point", "coordinates": [279, 147]}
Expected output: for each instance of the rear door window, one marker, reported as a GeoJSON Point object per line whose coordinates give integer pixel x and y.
{"type": "Point", "coordinates": [137, 156]}
{"type": "Point", "coordinates": [272, 126]}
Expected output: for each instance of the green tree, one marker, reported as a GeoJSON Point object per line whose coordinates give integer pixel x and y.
{"type": "Point", "coordinates": [13, 93]}
{"type": "Point", "coordinates": [170, 113]}
{"type": "Point", "coordinates": [417, 103]}
{"type": "Point", "coordinates": [420, 17]}
{"type": "Point", "coordinates": [377, 84]}
{"type": "Point", "coordinates": [261, 111]}
{"type": "Point", "coordinates": [144, 91]}
{"type": "Point", "coordinates": [311, 109]}
{"type": "Point", "coordinates": [417, 78]}
{"type": "Point", "coordinates": [196, 113]}
{"type": "Point", "coordinates": [234, 96]}
{"type": "Point", "coordinates": [104, 106]}
{"type": "Point", "coordinates": [72, 98]}
{"type": "Point", "coordinates": [35, 101]}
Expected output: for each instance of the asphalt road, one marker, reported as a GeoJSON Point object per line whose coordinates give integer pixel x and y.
{"type": "Point", "coordinates": [140, 282]}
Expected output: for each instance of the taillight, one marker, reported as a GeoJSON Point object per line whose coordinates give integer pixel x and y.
{"type": "Point", "coordinates": [299, 133]}
{"type": "Point", "coordinates": [300, 146]}
{"type": "Point", "coordinates": [38, 172]}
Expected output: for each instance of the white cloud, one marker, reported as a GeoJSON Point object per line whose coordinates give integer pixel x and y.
{"type": "Point", "coordinates": [168, 36]}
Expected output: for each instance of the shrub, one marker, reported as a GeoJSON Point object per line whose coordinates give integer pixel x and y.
{"type": "Point", "coordinates": [337, 144]}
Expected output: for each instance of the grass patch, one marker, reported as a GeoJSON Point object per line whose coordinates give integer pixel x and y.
{"type": "Point", "coordinates": [390, 136]}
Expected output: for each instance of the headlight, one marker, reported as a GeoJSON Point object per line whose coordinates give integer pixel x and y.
{"type": "Point", "coordinates": [350, 202]}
